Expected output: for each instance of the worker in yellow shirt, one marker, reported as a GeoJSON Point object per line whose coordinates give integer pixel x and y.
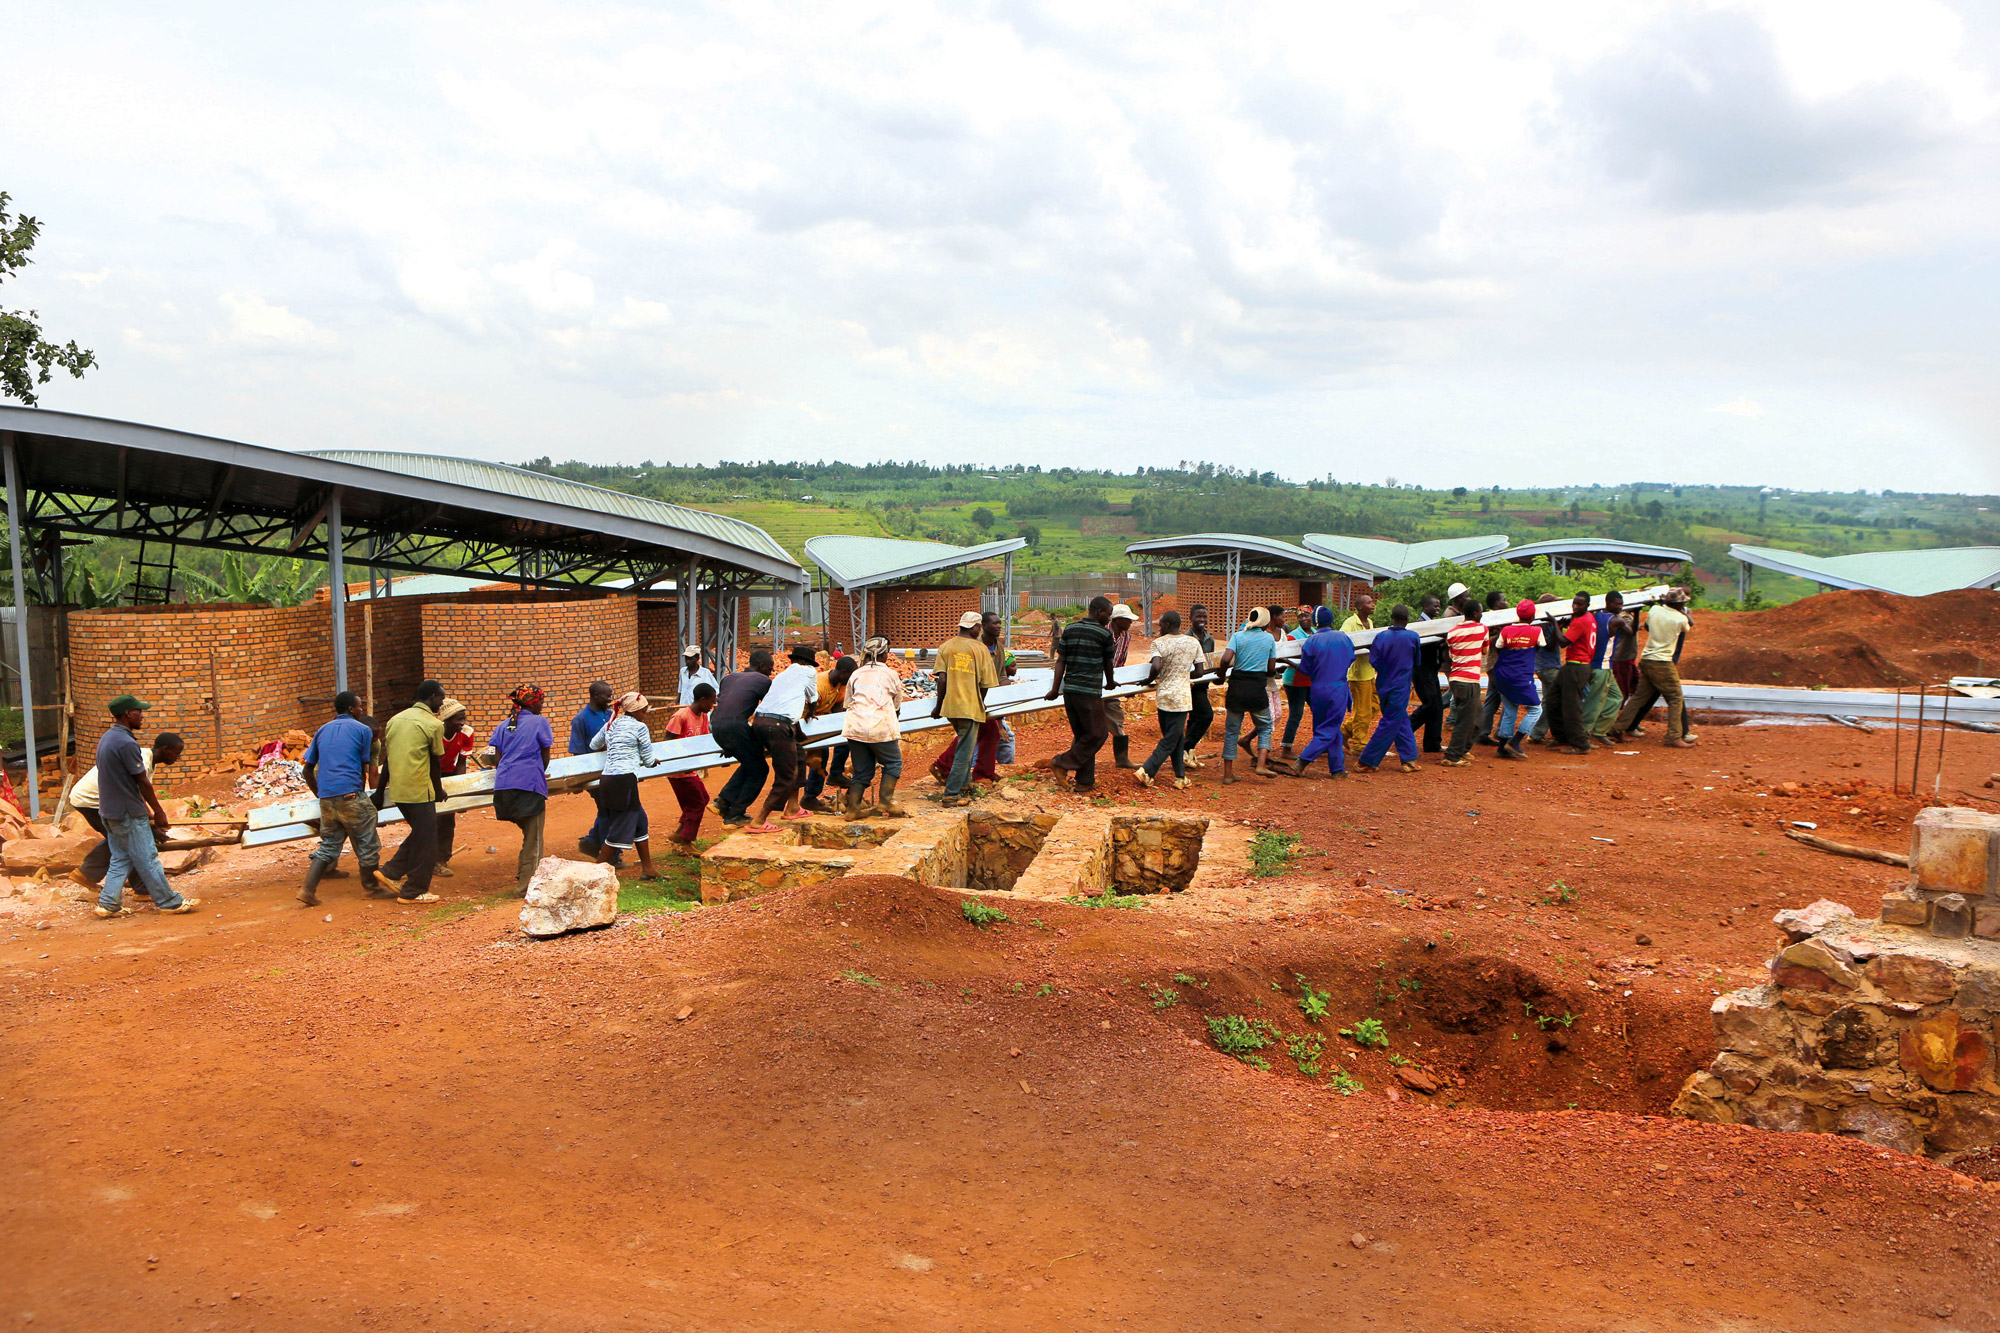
{"type": "Point", "coordinates": [1366, 708]}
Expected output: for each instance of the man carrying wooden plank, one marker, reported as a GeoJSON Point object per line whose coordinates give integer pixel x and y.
{"type": "Point", "coordinates": [337, 768]}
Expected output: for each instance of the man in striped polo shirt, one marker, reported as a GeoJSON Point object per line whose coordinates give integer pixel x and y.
{"type": "Point", "coordinates": [1465, 643]}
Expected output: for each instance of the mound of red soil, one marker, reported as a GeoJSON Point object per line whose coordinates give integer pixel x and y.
{"type": "Point", "coordinates": [1849, 639]}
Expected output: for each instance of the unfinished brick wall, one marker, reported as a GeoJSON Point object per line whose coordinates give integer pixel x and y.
{"type": "Point", "coordinates": [840, 621]}
{"type": "Point", "coordinates": [1210, 590]}
{"type": "Point", "coordinates": [659, 631]}
{"type": "Point", "coordinates": [920, 617]}
{"type": "Point", "coordinates": [481, 649]}
{"type": "Point", "coordinates": [262, 661]}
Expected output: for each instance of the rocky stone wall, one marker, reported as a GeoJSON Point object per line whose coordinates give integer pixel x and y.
{"type": "Point", "coordinates": [1155, 853]}
{"type": "Point", "coordinates": [1001, 846]}
{"type": "Point", "coordinates": [1075, 859]}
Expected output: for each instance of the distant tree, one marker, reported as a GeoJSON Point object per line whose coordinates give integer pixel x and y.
{"type": "Point", "coordinates": [1575, 510]}
{"type": "Point", "coordinates": [21, 343]}
{"type": "Point", "coordinates": [1486, 504]}
{"type": "Point", "coordinates": [983, 518]}
{"type": "Point", "coordinates": [1458, 492]}
{"type": "Point", "coordinates": [1030, 534]}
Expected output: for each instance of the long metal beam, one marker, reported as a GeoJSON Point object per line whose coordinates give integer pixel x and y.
{"type": "Point", "coordinates": [16, 528]}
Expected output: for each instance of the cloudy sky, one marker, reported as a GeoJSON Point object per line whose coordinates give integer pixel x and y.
{"type": "Point", "coordinates": [1536, 243]}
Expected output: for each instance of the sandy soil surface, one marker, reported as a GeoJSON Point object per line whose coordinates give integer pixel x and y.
{"type": "Point", "coordinates": [874, 1115]}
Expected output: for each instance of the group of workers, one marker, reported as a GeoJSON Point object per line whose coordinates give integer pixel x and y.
{"type": "Point", "coordinates": [1572, 680]}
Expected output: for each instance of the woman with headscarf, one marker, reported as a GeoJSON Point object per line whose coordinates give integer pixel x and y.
{"type": "Point", "coordinates": [627, 743]}
{"type": "Point", "coordinates": [874, 735]}
{"type": "Point", "coordinates": [1514, 679]}
{"type": "Point", "coordinates": [1325, 658]}
{"type": "Point", "coordinates": [460, 740]}
{"type": "Point", "coordinates": [521, 776]}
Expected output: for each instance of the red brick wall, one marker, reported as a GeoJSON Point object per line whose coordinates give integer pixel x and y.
{"type": "Point", "coordinates": [659, 634]}
{"type": "Point", "coordinates": [1208, 589]}
{"type": "Point", "coordinates": [265, 660]}
{"type": "Point", "coordinates": [481, 649]}
{"type": "Point", "coordinates": [919, 617]}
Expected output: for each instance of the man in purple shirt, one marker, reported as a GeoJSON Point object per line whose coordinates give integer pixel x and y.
{"type": "Point", "coordinates": [1393, 652]}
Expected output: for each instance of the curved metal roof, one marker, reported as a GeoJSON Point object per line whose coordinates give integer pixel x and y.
{"type": "Point", "coordinates": [1392, 560]}
{"type": "Point", "coordinates": [1909, 573]}
{"type": "Point", "coordinates": [862, 562]}
{"type": "Point", "coordinates": [1260, 555]}
{"type": "Point", "coordinates": [506, 479]}
{"type": "Point", "coordinates": [412, 513]}
{"type": "Point", "coordinates": [1602, 548]}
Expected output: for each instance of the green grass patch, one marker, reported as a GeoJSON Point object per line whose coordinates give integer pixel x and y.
{"type": "Point", "coordinates": [1130, 902]}
{"type": "Point", "coordinates": [1273, 853]}
{"type": "Point", "coordinates": [859, 977]}
{"type": "Point", "coordinates": [668, 893]}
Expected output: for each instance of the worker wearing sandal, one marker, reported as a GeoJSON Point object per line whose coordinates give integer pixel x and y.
{"type": "Point", "coordinates": [131, 812]}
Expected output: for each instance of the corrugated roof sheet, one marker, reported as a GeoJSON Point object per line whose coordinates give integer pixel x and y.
{"type": "Point", "coordinates": [1392, 560]}
{"type": "Point", "coordinates": [1608, 547]}
{"type": "Point", "coordinates": [855, 562]}
{"type": "Point", "coordinates": [1267, 552]}
{"type": "Point", "coordinates": [505, 480]}
{"type": "Point", "coordinates": [1909, 573]}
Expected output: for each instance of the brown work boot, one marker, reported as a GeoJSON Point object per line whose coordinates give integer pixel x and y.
{"type": "Point", "coordinates": [1678, 744]}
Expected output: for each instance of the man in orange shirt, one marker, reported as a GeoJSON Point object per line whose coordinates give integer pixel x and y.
{"type": "Point", "coordinates": [689, 789]}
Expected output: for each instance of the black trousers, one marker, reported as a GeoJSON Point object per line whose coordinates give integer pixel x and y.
{"type": "Point", "coordinates": [740, 743]}
{"type": "Point", "coordinates": [417, 858]}
{"type": "Point", "coordinates": [1087, 733]}
{"type": "Point", "coordinates": [1572, 686]}
{"type": "Point", "coordinates": [1464, 718]}
{"type": "Point", "coordinates": [1199, 720]}
{"type": "Point", "coordinates": [1173, 727]}
{"type": "Point", "coordinates": [1429, 716]}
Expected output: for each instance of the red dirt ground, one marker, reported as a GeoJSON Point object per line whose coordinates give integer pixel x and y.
{"type": "Point", "coordinates": [1865, 640]}
{"type": "Point", "coordinates": [256, 1118]}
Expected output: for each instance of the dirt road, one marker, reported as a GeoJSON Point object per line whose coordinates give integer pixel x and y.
{"type": "Point", "coordinates": [877, 1116]}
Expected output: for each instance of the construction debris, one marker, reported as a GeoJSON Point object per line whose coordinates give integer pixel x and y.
{"type": "Point", "coordinates": [273, 777]}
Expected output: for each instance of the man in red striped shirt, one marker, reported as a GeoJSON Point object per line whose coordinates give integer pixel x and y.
{"type": "Point", "coordinates": [1465, 644]}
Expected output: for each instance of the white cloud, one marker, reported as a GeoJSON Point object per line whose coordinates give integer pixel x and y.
{"type": "Point", "coordinates": [1740, 407]}
{"type": "Point", "coordinates": [1489, 239]}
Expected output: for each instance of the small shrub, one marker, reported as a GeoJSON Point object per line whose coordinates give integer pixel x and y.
{"type": "Point", "coordinates": [1312, 1003]}
{"type": "Point", "coordinates": [1367, 1032]}
{"type": "Point", "coordinates": [857, 975]}
{"type": "Point", "coordinates": [1163, 997]}
{"type": "Point", "coordinates": [1183, 979]}
{"type": "Point", "coordinates": [1343, 1083]}
{"type": "Point", "coordinates": [1241, 1038]}
{"type": "Point", "coordinates": [980, 915]}
{"type": "Point", "coordinates": [1305, 1050]}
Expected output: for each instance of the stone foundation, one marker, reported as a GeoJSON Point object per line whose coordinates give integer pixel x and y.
{"type": "Point", "coordinates": [1866, 1028]}
{"type": "Point", "coordinates": [1022, 853]}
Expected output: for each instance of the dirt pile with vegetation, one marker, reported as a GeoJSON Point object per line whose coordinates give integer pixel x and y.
{"type": "Point", "coordinates": [1864, 640]}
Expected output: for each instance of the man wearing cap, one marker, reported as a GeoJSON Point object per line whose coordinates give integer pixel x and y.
{"type": "Point", "coordinates": [413, 781]}
{"type": "Point", "coordinates": [1667, 625]}
{"type": "Point", "coordinates": [965, 672]}
{"type": "Point", "coordinates": [83, 796]}
{"type": "Point", "coordinates": [131, 812]}
{"type": "Point", "coordinates": [1122, 621]}
{"type": "Point", "coordinates": [693, 673]}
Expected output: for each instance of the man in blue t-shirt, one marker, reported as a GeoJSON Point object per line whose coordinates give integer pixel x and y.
{"type": "Point", "coordinates": [337, 765]}
{"type": "Point", "coordinates": [1246, 662]}
{"type": "Point", "coordinates": [1394, 652]}
{"type": "Point", "coordinates": [583, 729]}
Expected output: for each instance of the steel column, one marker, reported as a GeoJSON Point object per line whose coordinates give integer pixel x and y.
{"type": "Point", "coordinates": [1146, 597]}
{"type": "Point", "coordinates": [1007, 604]}
{"type": "Point", "coordinates": [1232, 577]}
{"type": "Point", "coordinates": [336, 565]}
{"type": "Point", "coordinates": [14, 525]}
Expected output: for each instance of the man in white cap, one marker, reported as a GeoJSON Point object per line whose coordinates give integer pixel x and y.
{"type": "Point", "coordinates": [693, 673]}
{"type": "Point", "coordinates": [965, 672]}
{"type": "Point", "coordinates": [1122, 621]}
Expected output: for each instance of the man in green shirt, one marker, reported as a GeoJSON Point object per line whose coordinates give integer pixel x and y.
{"type": "Point", "coordinates": [413, 781]}
{"type": "Point", "coordinates": [1667, 625]}
{"type": "Point", "coordinates": [965, 672]}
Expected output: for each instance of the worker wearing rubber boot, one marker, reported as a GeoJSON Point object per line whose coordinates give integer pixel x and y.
{"type": "Point", "coordinates": [874, 739]}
